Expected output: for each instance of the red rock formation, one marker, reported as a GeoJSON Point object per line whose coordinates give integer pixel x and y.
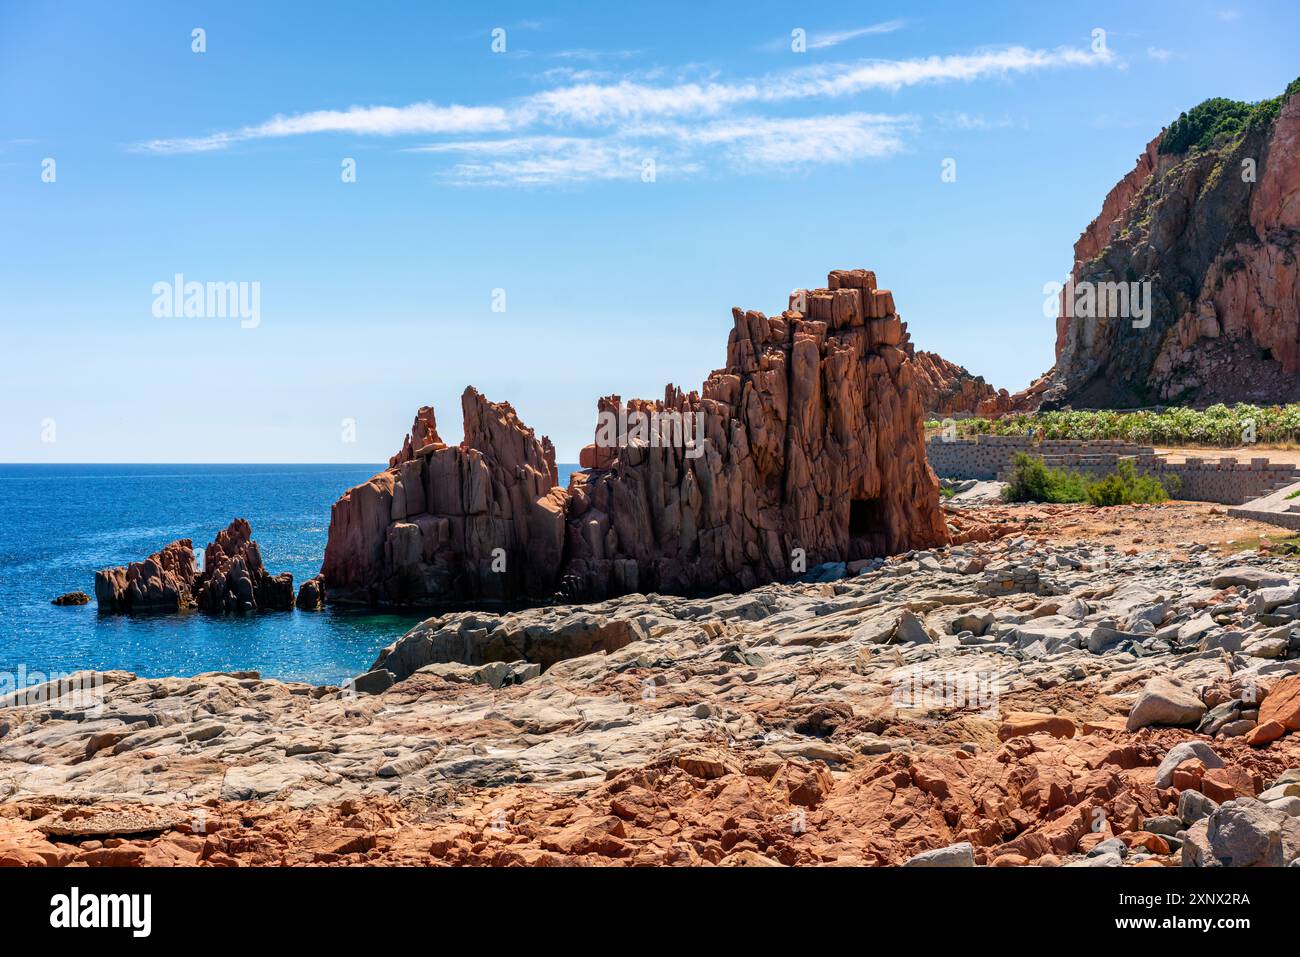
{"type": "Point", "coordinates": [947, 388]}
{"type": "Point", "coordinates": [483, 520]}
{"type": "Point", "coordinates": [1218, 248]}
{"type": "Point", "coordinates": [812, 453]}
{"type": "Point", "coordinates": [311, 596]}
{"type": "Point", "coordinates": [234, 578]}
{"type": "Point", "coordinates": [809, 450]}
{"type": "Point", "coordinates": [162, 582]}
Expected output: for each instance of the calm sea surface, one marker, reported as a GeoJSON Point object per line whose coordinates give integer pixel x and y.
{"type": "Point", "coordinates": [60, 523]}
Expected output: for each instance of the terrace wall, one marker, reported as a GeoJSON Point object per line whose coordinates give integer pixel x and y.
{"type": "Point", "coordinates": [1224, 480]}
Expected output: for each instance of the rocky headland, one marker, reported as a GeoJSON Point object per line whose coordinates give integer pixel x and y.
{"type": "Point", "coordinates": [1202, 234]}
{"type": "Point", "coordinates": [1210, 217]}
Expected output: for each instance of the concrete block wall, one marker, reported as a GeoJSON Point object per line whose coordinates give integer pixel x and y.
{"type": "Point", "coordinates": [987, 456]}
{"type": "Point", "coordinates": [1223, 480]}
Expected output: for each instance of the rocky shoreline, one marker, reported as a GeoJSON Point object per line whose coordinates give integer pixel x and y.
{"type": "Point", "coordinates": [1003, 703]}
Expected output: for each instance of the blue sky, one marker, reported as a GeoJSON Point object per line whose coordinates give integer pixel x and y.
{"type": "Point", "coordinates": [524, 171]}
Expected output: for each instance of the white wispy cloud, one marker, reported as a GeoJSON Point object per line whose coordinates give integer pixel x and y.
{"type": "Point", "coordinates": [1158, 53]}
{"type": "Point", "coordinates": [795, 141]}
{"type": "Point", "coordinates": [676, 149]}
{"type": "Point", "coordinates": [975, 121]}
{"type": "Point", "coordinates": [825, 39]}
{"type": "Point", "coordinates": [822, 41]}
{"type": "Point", "coordinates": [417, 118]}
{"type": "Point", "coordinates": [540, 160]}
{"type": "Point", "coordinates": [534, 137]}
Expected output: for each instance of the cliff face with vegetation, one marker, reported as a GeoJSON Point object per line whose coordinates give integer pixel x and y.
{"type": "Point", "coordinates": [1210, 218]}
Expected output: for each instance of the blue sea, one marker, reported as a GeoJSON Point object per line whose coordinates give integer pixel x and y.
{"type": "Point", "coordinates": [61, 523]}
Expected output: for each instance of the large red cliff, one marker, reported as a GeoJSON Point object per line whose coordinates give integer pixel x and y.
{"type": "Point", "coordinates": [1209, 231]}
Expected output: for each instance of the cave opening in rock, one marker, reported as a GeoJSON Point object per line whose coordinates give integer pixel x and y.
{"type": "Point", "coordinates": [867, 537]}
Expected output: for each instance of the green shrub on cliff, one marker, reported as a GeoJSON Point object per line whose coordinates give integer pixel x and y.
{"type": "Point", "coordinates": [1220, 119]}
{"type": "Point", "coordinates": [1200, 126]}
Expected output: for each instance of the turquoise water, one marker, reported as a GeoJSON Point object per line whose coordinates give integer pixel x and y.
{"type": "Point", "coordinates": [60, 523]}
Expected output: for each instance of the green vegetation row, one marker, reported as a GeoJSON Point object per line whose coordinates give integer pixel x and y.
{"type": "Point", "coordinates": [1219, 425]}
{"type": "Point", "coordinates": [1032, 481]}
{"type": "Point", "coordinates": [1218, 121]}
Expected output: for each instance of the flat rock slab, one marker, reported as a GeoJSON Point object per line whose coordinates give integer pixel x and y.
{"type": "Point", "coordinates": [111, 823]}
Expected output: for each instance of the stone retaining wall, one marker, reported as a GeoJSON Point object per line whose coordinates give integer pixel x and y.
{"type": "Point", "coordinates": [986, 456]}
{"type": "Point", "coordinates": [1223, 480]}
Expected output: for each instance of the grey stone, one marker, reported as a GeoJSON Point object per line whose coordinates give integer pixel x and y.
{"type": "Point", "coordinates": [1246, 576]}
{"type": "Point", "coordinates": [1266, 599]}
{"type": "Point", "coordinates": [1216, 718]}
{"type": "Point", "coordinates": [954, 855]}
{"type": "Point", "coordinates": [910, 630]}
{"type": "Point", "coordinates": [1110, 859]}
{"type": "Point", "coordinates": [1194, 806]}
{"type": "Point", "coordinates": [1196, 629]}
{"type": "Point", "coordinates": [1235, 729]}
{"type": "Point", "coordinates": [1271, 645]}
{"type": "Point", "coordinates": [1285, 790]}
{"type": "Point", "coordinates": [373, 682]}
{"type": "Point", "coordinates": [1287, 805]}
{"type": "Point", "coordinates": [1166, 825]}
{"type": "Point", "coordinates": [976, 622]}
{"type": "Point", "coordinates": [1195, 851]}
{"type": "Point", "coordinates": [1247, 833]}
{"type": "Point", "coordinates": [1112, 846]}
{"type": "Point", "coordinates": [1165, 701]}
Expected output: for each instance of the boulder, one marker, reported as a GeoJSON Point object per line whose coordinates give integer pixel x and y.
{"type": "Point", "coordinates": [541, 636]}
{"type": "Point", "coordinates": [1248, 576]}
{"type": "Point", "coordinates": [910, 630]}
{"type": "Point", "coordinates": [1186, 751]}
{"type": "Point", "coordinates": [376, 681]}
{"type": "Point", "coordinates": [311, 595]}
{"type": "Point", "coordinates": [1248, 833]}
{"type": "Point", "coordinates": [954, 855]}
{"type": "Point", "coordinates": [1019, 723]}
{"type": "Point", "coordinates": [1165, 701]}
{"type": "Point", "coordinates": [1194, 806]}
{"type": "Point", "coordinates": [1265, 733]}
{"type": "Point", "coordinates": [1282, 704]}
